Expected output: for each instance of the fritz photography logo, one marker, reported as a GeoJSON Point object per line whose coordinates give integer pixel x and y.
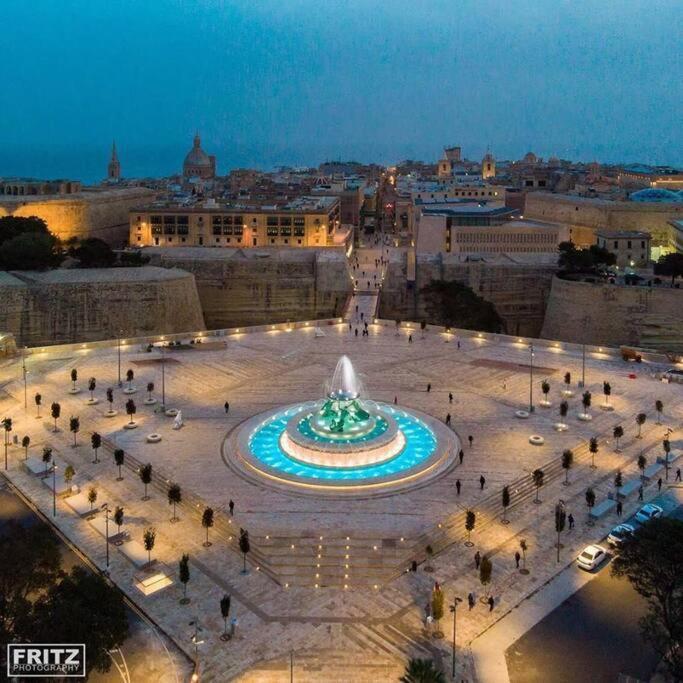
{"type": "Point", "coordinates": [42, 660]}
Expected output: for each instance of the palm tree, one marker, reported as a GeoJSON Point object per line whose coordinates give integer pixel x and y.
{"type": "Point", "coordinates": [545, 388]}
{"type": "Point", "coordinates": [130, 409]}
{"type": "Point", "coordinates": [537, 477]}
{"type": "Point", "coordinates": [590, 502]}
{"type": "Point", "coordinates": [422, 671]}
{"type": "Point", "coordinates": [118, 518]}
{"type": "Point", "coordinates": [26, 442]}
{"type": "Point", "coordinates": [74, 379]}
{"type": "Point", "coordinates": [617, 433]}
{"type": "Point", "coordinates": [174, 497]}
{"type": "Point", "coordinates": [184, 577]}
{"type": "Point", "coordinates": [642, 464]}
{"type": "Point", "coordinates": [92, 496]}
{"type": "Point", "coordinates": [593, 447]}
{"type": "Point", "coordinates": [207, 523]}
{"type": "Point", "coordinates": [55, 411]}
{"type": "Point", "coordinates": [225, 613]}
{"type": "Point", "coordinates": [38, 399]}
{"type": "Point", "coordinates": [640, 421]}
{"type": "Point", "coordinates": [96, 442]}
{"type": "Point", "coordinates": [130, 376]}
{"type": "Point", "coordinates": [607, 390]}
{"type": "Point", "coordinates": [470, 521]}
{"type": "Point", "coordinates": [92, 384]}
{"type": "Point", "coordinates": [119, 457]}
{"type": "Point", "coordinates": [485, 571]}
{"type": "Point", "coordinates": [148, 539]}
{"type": "Point", "coordinates": [69, 473]}
{"type": "Point", "coordinates": [586, 401]}
{"type": "Point", "coordinates": [74, 427]}
{"type": "Point", "coordinates": [146, 477]}
{"type": "Point", "coordinates": [567, 462]}
{"type": "Point", "coordinates": [659, 407]}
{"type": "Point", "coordinates": [47, 456]}
{"type": "Point", "coordinates": [505, 500]}
{"type": "Point", "coordinates": [245, 547]}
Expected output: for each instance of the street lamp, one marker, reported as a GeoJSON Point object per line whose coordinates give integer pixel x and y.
{"type": "Point", "coordinates": [163, 380]}
{"type": "Point", "coordinates": [54, 489]}
{"type": "Point", "coordinates": [453, 609]}
{"type": "Point", "coordinates": [195, 639]}
{"type": "Point", "coordinates": [119, 350]}
{"type": "Point", "coordinates": [23, 369]}
{"type": "Point", "coordinates": [531, 378]}
{"type": "Point", "coordinates": [105, 507]}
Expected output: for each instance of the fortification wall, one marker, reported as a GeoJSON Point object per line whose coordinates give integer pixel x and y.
{"type": "Point", "coordinates": [67, 306]}
{"type": "Point", "coordinates": [257, 286]}
{"type": "Point", "coordinates": [648, 317]}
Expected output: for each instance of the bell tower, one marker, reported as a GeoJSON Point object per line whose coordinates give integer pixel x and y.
{"type": "Point", "coordinates": [114, 166]}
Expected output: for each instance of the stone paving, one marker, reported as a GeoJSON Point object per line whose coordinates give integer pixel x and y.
{"type": "Point", "coordinates": [357, 634]}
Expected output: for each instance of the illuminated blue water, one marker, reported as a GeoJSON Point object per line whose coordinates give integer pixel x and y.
{"type": "Point", "coordinates": [264, 445]}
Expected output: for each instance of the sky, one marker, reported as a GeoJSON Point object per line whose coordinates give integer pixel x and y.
{"type": "Point", "coordinates": [297, 82]}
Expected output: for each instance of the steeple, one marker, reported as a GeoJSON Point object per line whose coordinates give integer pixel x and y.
{"type": "Point", "coordinates": [114, 166]}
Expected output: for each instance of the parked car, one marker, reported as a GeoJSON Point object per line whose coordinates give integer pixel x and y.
{"type": "Point", "coordinates": [591, 556]}
{"type": "Point", "coordinates": [619, 534]}
{"type": "Point", "coordinates": [648, 512]}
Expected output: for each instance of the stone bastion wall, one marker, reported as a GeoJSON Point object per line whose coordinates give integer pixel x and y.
{"type": "Point", "coordinates": [66, 306]}
{"type": "Point", "coordinates": [647, 317]}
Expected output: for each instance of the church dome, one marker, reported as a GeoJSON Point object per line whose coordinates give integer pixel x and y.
{"type": "Point", "coordinates": [197, 156]}
{"type": "Point", "coordinates": [656, 194]}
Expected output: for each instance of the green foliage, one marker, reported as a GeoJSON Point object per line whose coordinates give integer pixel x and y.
{"type": "Point", "coordinates": [207, 518]}
{"type": "Point", "coordinates": [133, 259]}
{"type": "Point", "coordinates": [470, 520]}
{"type": "Point", "coordinates": [573, 260]}
{"type": "Point", "coordinates": [27, 244]}
{"type": "Point", "coordinates": [225, 606]}
{"type": "Point", "coordinates": [93, 252]}
{"type": "Point", "coordinates": [174, 494]}
{"type": "Point", "coordinates": [422, 671]}
{"type": "Point", "coordinates": [670, 264]}
{"type": "Point", "coordinates": [452, 304]}
{"type": "Point", "coordinates": [184, 569]}
{"type": "Point", "coordinates": [485, 571]}
{"type": "Point", "coordinates": [590, 497]}
{"type": "Point", "coordinates": [437, 603]}
{"type": "Point", "coordinates": [505, 497]}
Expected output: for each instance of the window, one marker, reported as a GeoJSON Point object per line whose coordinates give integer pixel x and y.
{"type": "Point", "coordinates": [286, 232]}
{"type": "Point", "coordinates": [271, 232]}
{"type": "Point", "coordinates": [299, 231]}
{"type": "Point", "coordinates": [237, 220]}
{"type": "Point", "coordinates": [628, 244]}
{"type": "Point", "coordinates": [299, 220]}
{"type": "Point", "coordinates": [285, 220]}
{"type": "Point", "coordinates": [217, 229]}
{"type": "Point", "coordinates": [182, 220]}
{"type": "Point", "coordinates": [227, 230]}
{"type": "Point", "coordinates": [238, 230]}
{"type": "Point", "coordinates": [616, 244]}
{"type": "Point", "coordinates": [216, 220]}
{"type": "Point", "coordinates": [155, 220]}
{"type": "Point", "coordinates": [169, 220]}
{"type": "Point", "coordinates": [156, 230]}
{"type": "Point", "coordinates": [227, 220]}
{"type": "Point", "coordinates": [271, 220]}
{"type": "Point", "coordinates": [183, 229]}
{"type": "Point", "coordinates": [169, 229]}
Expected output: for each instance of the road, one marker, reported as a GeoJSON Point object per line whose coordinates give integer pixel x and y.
{"type": "Point", "coordinates": [592, 636]}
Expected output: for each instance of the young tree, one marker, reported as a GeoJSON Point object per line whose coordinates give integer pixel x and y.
{"type": "Point", "coordinates": [74, 379]}
{"type": "Point", "coordinates": [590, 502]}
{"type": "Point", "coordinates": [130, 376]}
{"type": "Point", "coordinates": [429, 552]}
{"type": "Point", "coordinates": [659, 407]}
{"type": "Point", "coordinates": [245, 547]}
{"type": "Point", "coordinates": [7, 425]}
{"type": "Point", "coordinates": [146, 477]}
{"type": "Point", "coordinates": [586, 401]}
{"type": "Point", "coordinates": [38, 399]}
{"type": "Point", "coordinates": [225, 613]}
{"type": "Point", "coordinates": [25, 443]}
{"type": "Point", "coordinates": [92, 496]}
{"type": "Point", "coordinates": [670, 264]}
{"type": "Point", "coordinates": [184, 577]}
{"type": "Point", "coordinates": [485, 572]}
{"type": "Point", "coordinates": [567, 463]}
{"type": "Point", "coordinates": [593, 447]}
{"type": "Point", "coordinates": [618, 483]}
{"type": "Point", "coordinates": [505, 500]}
{"type": "Point", "coordinates": [74, 428]}
{"type": "Point", "coordinates": [118, 518]}
{"type": "Point", "coordinates": [560, 519]}
{"type": "Point", "coordinates": [92, 385]}
{"type": "Point", "coordinates": [69, 473]}
{"type": "Point", "coordinates": [640, 421]}
{"type": "Point", "coordinates": [564, 409]}
{"type": "Point", "coordinates": [174, 498]}
{"type": "Point", "coordinates": [150, 389]}
{"type": "Point", "coordinates": [96, 442]}
{"type": "Point", "coordinates": [148, 538]}
{"type": "Point", "coordinates": [545, 388]}
{"type": "Point", "coordinates": [437, 608]}
{"type": "Point", "coordinates": [618, 433]}
{"type": "Point", "coordinates": [567, 378]}
{"type": "Point", "coordinates": [119, 457]}
{"type": "Point", "coordinates": [110, 399]}
{"type": "Point", "coordinates": [607, 391]}
{"type": "Point", "coordinates": [537, 476]}
{"type": "Point", "coordinates": [470, 521]}
{"type": "Point", "coordinates": [642, 464]}
{"type": "Point", "coordinates": [666, 445]}
{"type": "Point", "coordinates": [55, 411]}
{"type": "Point", "coordinates": [207, 523]}
{"type": "Point", "coordinates": [47, 457]}
{"type": "Point", "coordinates": [131, 409]}
{"type": "Point", "coordinates": [523, 547]}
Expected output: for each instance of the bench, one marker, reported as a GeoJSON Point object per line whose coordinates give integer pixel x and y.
{"type": "Point", "coordinates": [652, 470]}
{"type": "Point", "coordinates": [603, 508]}
{"type": "Point", "coordinates": [79, 504]}
{"type": "Point", "coordinates": [136, 553]}
{"type": "Point", "coordinates": [62, 487]}
{"type": "Point", "coordinates": [99, 523]}
{"type": "Point", "coordinates": [629, 487]}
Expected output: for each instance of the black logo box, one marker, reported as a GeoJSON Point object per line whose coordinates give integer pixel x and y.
{"type": "Point", "coordinates": [43, 660]}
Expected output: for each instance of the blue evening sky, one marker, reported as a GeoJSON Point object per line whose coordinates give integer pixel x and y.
{"type": "Point", "coordinates": [296, 81]}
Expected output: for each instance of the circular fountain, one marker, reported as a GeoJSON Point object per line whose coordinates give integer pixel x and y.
{"type": "Point", "coordinates": [344, 442]}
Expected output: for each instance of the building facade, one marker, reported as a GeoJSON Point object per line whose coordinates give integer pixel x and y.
{"type": "Point", "coordinates": [631, 247]}
{"type": "Point", "coordinates": [199, 164]}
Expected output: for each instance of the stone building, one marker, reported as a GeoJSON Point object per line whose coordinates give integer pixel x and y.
{"type": "Point", "coordinates": [488, 166]}
{"type": "Point", "coordinates": [631, 247]}
{"type": "Point", "coordinates": [21, 187]}
{"type": "Point", "coordinates": [199, 164]}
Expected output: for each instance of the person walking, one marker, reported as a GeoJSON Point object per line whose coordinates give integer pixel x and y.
{"type": "Point", "coordinates": [356, 332]}
{"type": "Point", "coordinates": [678, 474]}
{"type": "Point", "coordinates": [231, 507]}
{"type": "Point", "coordinates": [450, 397]}
{"type": "Point", "coordinates": [482, 481]}
{"type": "Point", "coordinates": [518, 557]}
{"type": "Point", "coordinates": [410, 338]}
{"type": "Point", "coordinates": [491, 603]}
{"type": "Point", "coordinates": [448, 419]}
{"type": "Point", "coordinates": [619, 508]}
{"type": "Point", "coordinates": [429, 387]}
{"type": "Point", "coordinates": [461, 455]}
{"type": "Point", "coordinates": [470, 600]}
{"type": "Point", "coordinates": [570, 519]}
{"type": "Point", "coordinates": [457, 486]}
{"type": "Point", "coordinates": [640, 492]}
{"type": "Point", "coordinates": [659, 484]}
{"type": "Point", "coordinates": [470, 438]}
{"type": "Point", "coordinates": [477, 559]}
{"type": "Point", "coordinates": [226, 405]}
{"type": "Point", "coordinates": [395, 400]}
{"type": "Point", "coordinates": [458, 344]}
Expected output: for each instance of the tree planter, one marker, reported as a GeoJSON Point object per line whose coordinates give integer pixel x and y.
{"type": "Point", "coordinates": [153, 438]}
{"type": "Point", "coordinates": [149, 401]}
{"type": "Point", "coordinates": [560, 427]}
{"type": "Point", "coordinates": [437, 635]}
{"type": "Point", "coordinates": [536, 440]}
{"type": "Point", "coordinates": [74, 390]}
{"type": "Point", "coordinates": [92, 401]}
{"type": "Point", "coordinates": [111, 413]}
{"type": "Point", "coordinates": [524, 571]}
{"type": "Point", "coordinates": [545, 404]}
{"type": "Point", "coordinates": [225, 637]}
{"type": "Point", "coordinates": [184, 601]}
{"type": "Point", "coordinates": [567, 393]}
{"type": "Point", "coordinates": [606, 406]}
{"type": "Point", "coordinates": [171, 412]}
{"type": "Point", "coordinates": [522, 414]}
{"type": "Point", "coordinates": [130, 390]}
{"type": "Point", "coordinates": [130, 425]}
{"type": "Point", "coordinates": [584, 417]}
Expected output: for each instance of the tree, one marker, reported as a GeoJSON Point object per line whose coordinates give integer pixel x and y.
{"type": "Point", "coordinates": [590, 502]}
{"type": "Point", "coordinates": [245, 547]}
{"type": "Point", "coordinates": [118, 518]}
{"type": "Point", "coordinates": [47, 457]}
{"type": "Point", "coordinates": [55, 411]}
{"type": "Point", "coordinates": [567, 378]}
{"type": "Point", "coordinates": [670, 264]}
{"type": "Point", "coordinates": [567, 462]}
{"type": "Point", "coordinates": [131, 409]}
{"type": "Point", "coordinates": [74, 378]}
{"type": "Point", "coordinates": [437, 607]}
{"type": "Point", "coordinates": [423, 327]}
{"type": "Point", "coordinates": [659, 407]}
{"type": "Point", "coordinates": [573, 260]}
{"type": "Point", "coordinates": [618, 433]}
{"type": "Point", "coordinates": [470, 521]}
{"type": "Point", "coordinates": [666, 445]}
{"type": "Point", "coordinates": [586, 401]}
{"type": "Point", "coordinates": [92, 496]}
{"type": "Point", "coordinates": [130, 376]}
{"type": "Point", "coordinates": [7, 425]}
{"type": "Point", "coordinates": [537, 476]}
{"type": "Point", "coordinates": [430, 553]}
{"type": "Point", "coordinates": [207, 523]}
{"type": "Point", "coordinates": [146, 477]}
{"type": "Point", "coordinates": [505, 500]}
{"type": "Point", "coordinates": [422, 671]}
{"type": "Point", "coordinates": [96, 442]}
{"type": "Point", "coordinates": [184, 577]}
{"type": "Point", "coordinates": [174, 498]}
{"type": "Point", "coordinates": [92, 385]}
{"type": "Point", "coordinates": [25, 443]}
{"type": "Point", "coordinates": [225, 613]}
{"type": "Point", "coordinates": [523, 547]}
{"type": "Point", "coordinates": [110, 399]}
{"type": "Point", "coordinates": [593, 447]}
{"type": "Point", "coordinates": [560, 519]}
{"type": "Point", "coordinates": [485, 572]}
{"type": "Point", "coordinates": [642, 464]}
{"type": "Point", "coordinates": [30, 252]}
{"type": "Point", "coordinates": [607, 391]}
{"type": "Point", "coordinates": [618, 482]}
{"type": "Point", "coordinates": [640, 421]}
{"type": "Point", "coordinates": [150, 389]}
{"type": "Point", "coordinates": [148, 539]}
{"type": "Point", "coordinates": [119, 457]}
{"type": "Point", "coordinates": [449, 302]}
{"type": "Point", "coordinates": [545, 388]}
{"type": "Point", "coordinates": [74, 427]}
{"type": "Point", "coordinates": [93, 252]}
{"type": "Point", "coordinates": [651, 559]}
{"type": "Point", "coordinates": [564, 409]}
{"type": "Point", "coordinates": [38, 399]}
{"type": "Point", "coordinates": [69, 473]}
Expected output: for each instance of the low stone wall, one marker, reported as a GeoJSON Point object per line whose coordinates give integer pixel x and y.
{"type": "Point", "coordinates": [65, 306]}
{"type": "Point", "coordinates": [647, 317]}
{"type": "Point", "coordinates": [256, 286]}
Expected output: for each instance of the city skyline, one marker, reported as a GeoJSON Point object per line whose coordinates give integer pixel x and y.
{"type": "Point", "coordinates": [470, 75]}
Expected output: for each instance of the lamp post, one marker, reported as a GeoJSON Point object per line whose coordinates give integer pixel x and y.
{"type": "Point", "coordinates": [531, 378]}
{"type": "Point", "coordinates": [453, 609]}
{"type": "Point", "coordinates": [119, 351]}
{"type": "Point", "coordinates": [54, 489]}
{"type": "Point", "coordinates": [163, 380]}
{"type": "Point", "coordinates": [195, 639]}
{"type": "Point", "coordinates": [105, 507]}
{"type": "Point", "coordinates": [23, 369]}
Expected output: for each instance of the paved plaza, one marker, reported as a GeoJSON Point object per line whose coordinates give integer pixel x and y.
{"type": "Point", "coordinates": [328, 589]}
